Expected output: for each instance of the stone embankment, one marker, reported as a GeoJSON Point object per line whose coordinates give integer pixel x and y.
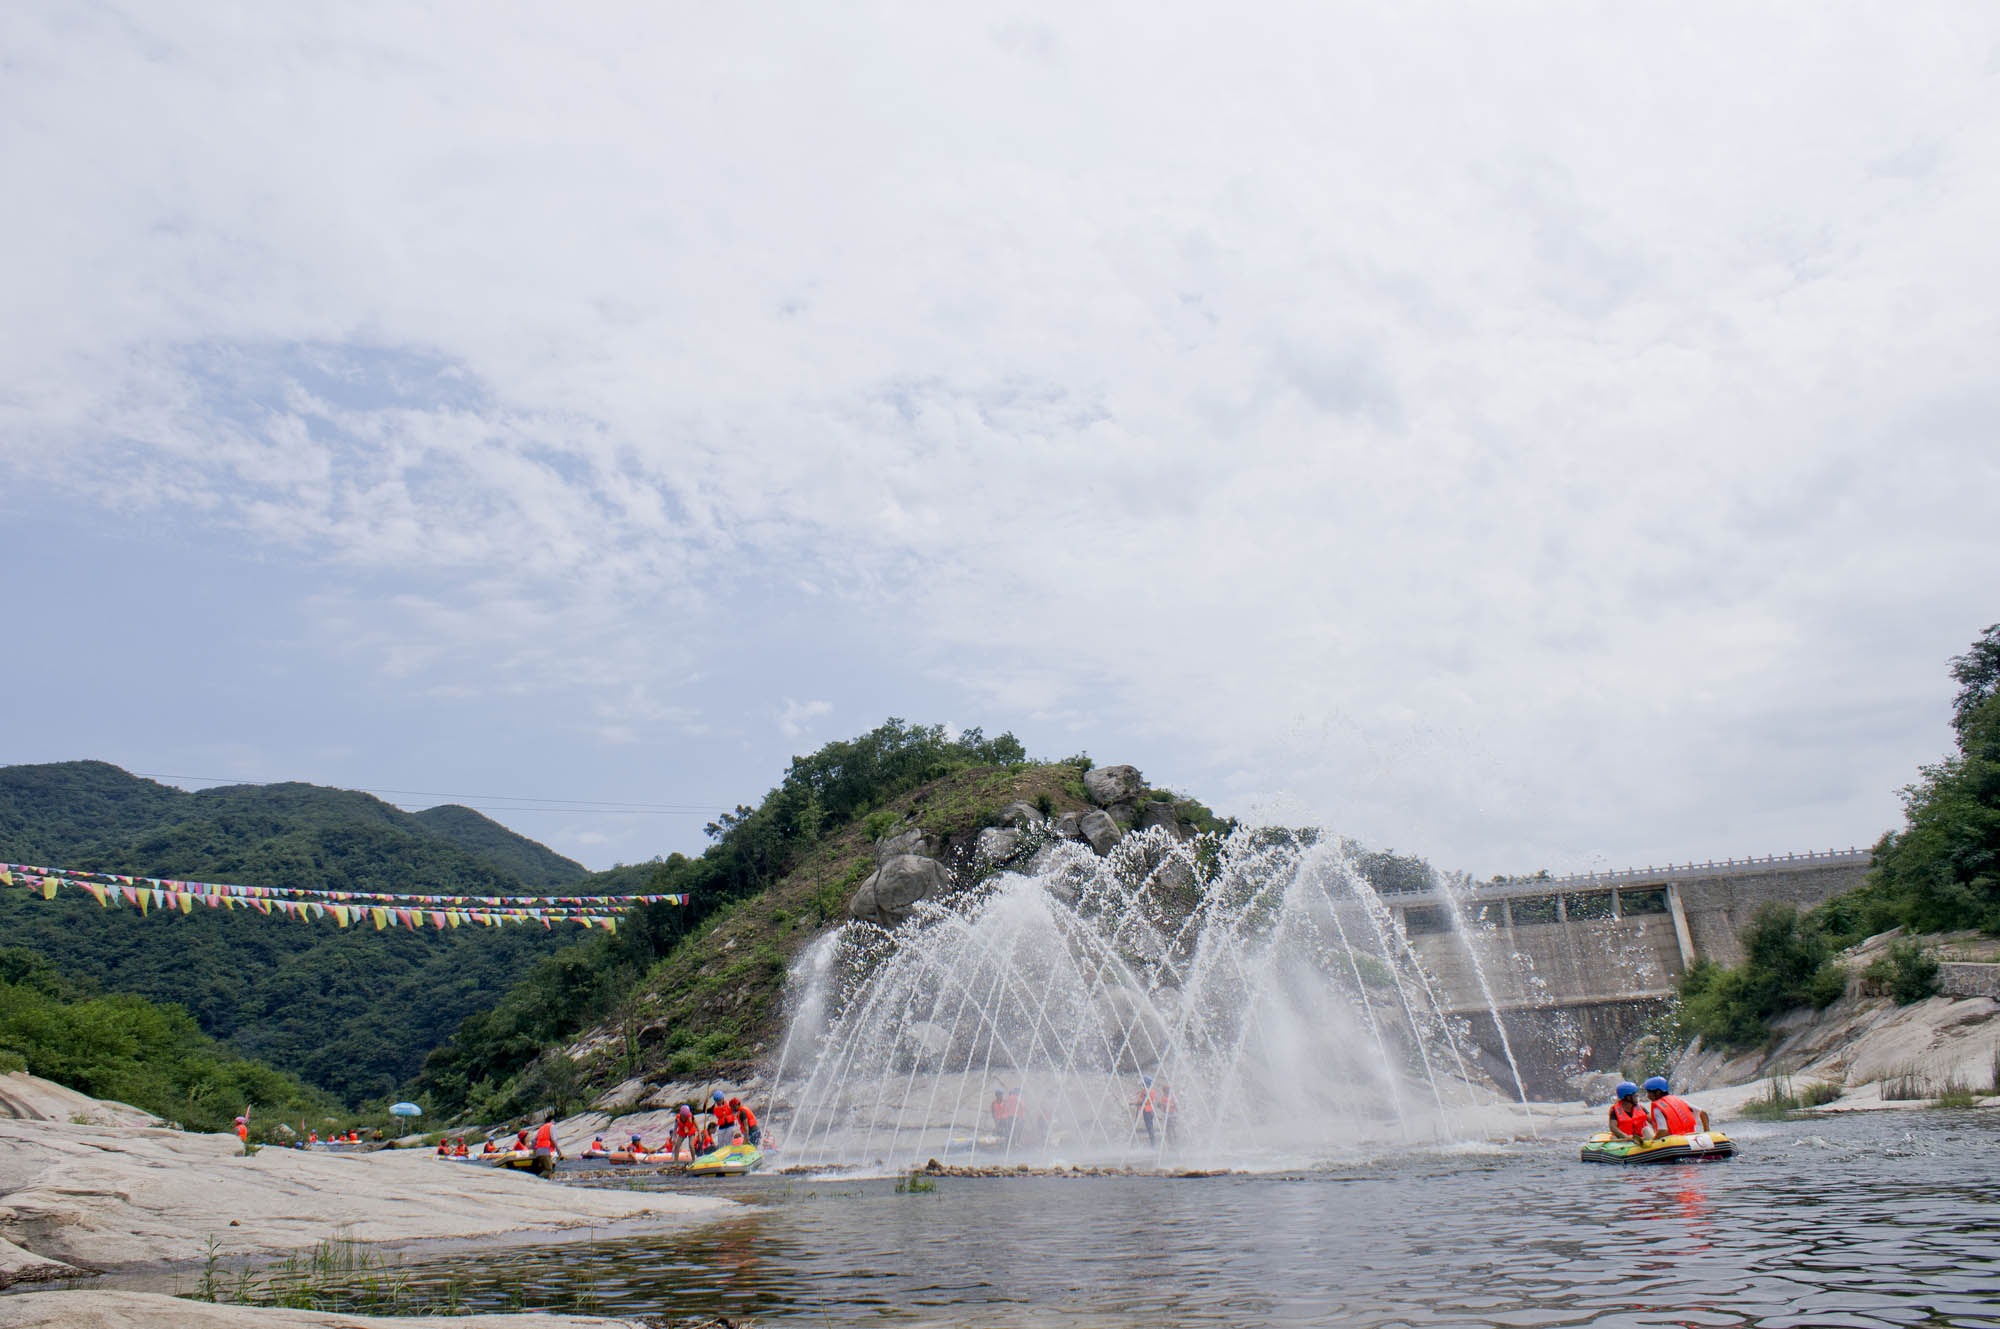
{"type": "Point", "coordinates": [152, 1310]}
{"type": "Point", "coordinates": [911, 865]}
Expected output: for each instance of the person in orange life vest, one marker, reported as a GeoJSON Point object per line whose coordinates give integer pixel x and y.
{"type": "Point", "coordinates": [685, 1134]}
{"type": "Point", "coordinates": [725, 1118]}
{"type": "Point", "coordinates": [491, 1148]}
{"type": "Point", "coordinates": [597, 1146]}
{"type": "Point", "coordinates": [312, 1138]}
{"type": "Point", "coordinates": [705, 1142]}
{"type": "Point", "coordinates": [746, 1119]}
{"type": "Point", "coordinates": [638, 1146]}
{"type": "Point", "coordinates": [545, 1138]}
{"type": "Point", "coordinates": [1670, 1114]}
{"type": "Point", "coordinates": [1626, 1118]}
{"type": "Point", "coordinates": [458, 1149]}
{"type": "Point", "coordinates": [1147, 1103]}
{"type": "Point", "coordinates": [243, 1131]}
{"type": "Point", "coordinates": [521, 1141]}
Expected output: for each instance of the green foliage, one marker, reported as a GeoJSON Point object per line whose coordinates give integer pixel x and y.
{"type": "Point", "coordinates": [878, 824]}
{"type": "Point", "coordinates": [125, 1047]}
{"type": "Point", "coordinates": [1788, 963]}
{"type": "Point", "coordinates": [353, 1012]}
{"type": "Point", "coordinates": [1909, 972]}
{"type": "Point", "coordinates": [1781, 1099]}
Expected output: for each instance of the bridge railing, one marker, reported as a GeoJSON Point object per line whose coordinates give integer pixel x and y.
{"type": "Point", "coordinates": [1728, 867]}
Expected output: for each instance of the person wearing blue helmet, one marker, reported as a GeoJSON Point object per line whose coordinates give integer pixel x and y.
{"type": "Point", "coordinates": [725, 1118]}
{"type": "Point", "coordinates": [1670, 1114]}
{"type": "Point", "coordinates": [1626, 1118]}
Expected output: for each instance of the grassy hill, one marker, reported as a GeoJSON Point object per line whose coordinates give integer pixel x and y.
{"type": "Point", "coordinates": [353, 1013]}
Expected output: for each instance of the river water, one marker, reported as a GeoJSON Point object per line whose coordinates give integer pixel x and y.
{"type": "Point", "coordinates": [1884, 1219]}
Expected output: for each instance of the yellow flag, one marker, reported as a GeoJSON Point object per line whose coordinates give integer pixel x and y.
{"type": "Point", "coordinates": [48, 888]}
{"type": "Point", "coordinates": [381, 917]}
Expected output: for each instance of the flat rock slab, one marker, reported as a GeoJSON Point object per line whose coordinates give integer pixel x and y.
{"type": "Point", "coordinates": [149, 1310]}
{"type": "Point", "coordinates": [19, 1266]}
{"type": "Point", "coordinates": [105, 1197]}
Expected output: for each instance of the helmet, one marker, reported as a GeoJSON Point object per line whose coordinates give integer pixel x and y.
{"type": "Point", "coordinates": [1626, 1089]}
{"type": "Point", "coordinates": [715, 1097]}
{"type": "Point", "coordinates": [1147, 1079]}
{"type": "Point", "coordinates": [1657, 1085]}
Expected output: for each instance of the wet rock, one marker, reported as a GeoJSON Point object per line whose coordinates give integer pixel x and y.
{"type": "Point", "coordinates": [997, 844]}
{"type": "Point", "coordinates": [1161, 815]}
{"type": "Point", "coordinates": [1021, 816]}
{"type": "Point", "coordinates": [1068, 826]}
{"type": "Point", "coordinates": [890, 891]}
{"type": "Point", "coordinates": [1113, 784]}
{"type": "Point", "coordinates": [1099, 831]}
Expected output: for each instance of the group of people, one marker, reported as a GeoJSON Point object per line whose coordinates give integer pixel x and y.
{"type": "Point", "coordinates": [689, 1137]}
{"type": "Point", "coordinates": [1662, 1113]}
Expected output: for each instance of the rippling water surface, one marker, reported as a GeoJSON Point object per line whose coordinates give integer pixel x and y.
{"type": "Point", "coordinates": [1885, 1220]}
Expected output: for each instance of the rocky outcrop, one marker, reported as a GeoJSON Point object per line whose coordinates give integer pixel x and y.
{"type": "Point", "coordinates": [1162, 816]}
{"type": "Point", "coordinates": [156, 1310]}
{"type": "Point", "coordinates": [892, 889]}
{"type": "Point", "coordinates": [1021, 816]}
{"type": "Point", "coordinates": [1108, 785]}
{"type": "Point", "coordinates": [101, 1197]}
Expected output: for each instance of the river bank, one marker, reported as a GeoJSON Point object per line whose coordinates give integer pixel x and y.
{"type": "Point", "coordinates": [78, 1198]}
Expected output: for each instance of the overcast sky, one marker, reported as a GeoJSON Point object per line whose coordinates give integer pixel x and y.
{"type": "Point", "coordinates": [1526, 435]}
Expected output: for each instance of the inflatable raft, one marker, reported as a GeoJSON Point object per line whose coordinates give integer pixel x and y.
{"type": "Point", "coordinates": [732, 1160]}
{"type": "Point", "coordinates": [520, 1159]}
{"type": "Point", "coordinates": [1706, 1147]}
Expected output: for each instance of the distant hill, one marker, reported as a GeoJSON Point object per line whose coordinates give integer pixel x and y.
{"type": "Point", "coordinates": [536, 864]}
{"type": "Point", "coordinates": [354, 1012]}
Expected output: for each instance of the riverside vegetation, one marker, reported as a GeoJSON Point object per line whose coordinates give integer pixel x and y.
{"type": "Point", "coordinates": [1940, 873]}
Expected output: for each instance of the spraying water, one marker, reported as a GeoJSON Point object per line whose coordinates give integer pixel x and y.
{"type": "Point", "coordinates": [1254, 993]}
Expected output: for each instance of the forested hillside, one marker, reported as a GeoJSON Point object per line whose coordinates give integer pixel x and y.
{"type": "Point", "coordinates": [349, 1011]}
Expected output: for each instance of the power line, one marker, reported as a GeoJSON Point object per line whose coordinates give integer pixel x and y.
{"type": "Point", "coordinates": [566, 804]}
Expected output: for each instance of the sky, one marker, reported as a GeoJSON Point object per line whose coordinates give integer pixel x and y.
{"type": "Point", "coordinates": [1527, 435]}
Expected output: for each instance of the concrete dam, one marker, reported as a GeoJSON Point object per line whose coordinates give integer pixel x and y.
{"type": "Point", "coordinates": [1576, 964]}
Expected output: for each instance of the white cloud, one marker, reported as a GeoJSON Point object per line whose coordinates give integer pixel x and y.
{"type": "Point", "coordinates": [1497, 431]}
{"type": "Point", "coordinates": [795, 719]}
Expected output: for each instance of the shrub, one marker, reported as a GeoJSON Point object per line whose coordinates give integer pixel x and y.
{"type": "Point", "coordinates": [1909, 973]}
{"type": "Point", "coordinates": [878, 823]}
{"type": "Point", "coordinates": [1788, 963]}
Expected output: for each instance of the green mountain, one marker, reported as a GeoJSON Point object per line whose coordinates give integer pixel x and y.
{"type": "Point", "coordinates": [482, 837]}
{"type": "Point", "coordinates": [353, 1012]}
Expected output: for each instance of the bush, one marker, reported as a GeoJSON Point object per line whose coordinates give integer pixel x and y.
{"type": "Point", "coordinates": [1788, 963]}
{"type": "Point", "coordinates": [1909, 973]}
{"type": "Point", "coordinates": [878, 824]}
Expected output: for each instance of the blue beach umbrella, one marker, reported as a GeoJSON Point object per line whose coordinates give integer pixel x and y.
{"type": "Point", "coordinates": [405, 1110]}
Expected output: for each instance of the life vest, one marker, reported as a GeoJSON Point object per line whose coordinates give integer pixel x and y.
{"type": "Point", "coordinates": [746, 1118]}
{"type": "Point", "coordinates": [1627, 1121]}
{"type": "Point", "coordinates": [1146, 1100]}
{"type": "Point", "coordinates": [545, 1137]}
{"type": "Point", "coordinates": [706, 1144]}
{"type": "Point", "coordinates": [725, 1115]}
{"type": "Point", "coordinates": [1672, 1116]}
{"type": "Point", "coordinates": [685, 1128]}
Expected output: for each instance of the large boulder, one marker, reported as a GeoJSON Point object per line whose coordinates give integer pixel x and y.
{"type": "Point", "coordinates": [997, 844]}
{"type": "Point", "coordinates": [1069, 826]}
{"type": "Point", "coordinates": [1021, 816]}
{"type": "Point", "coordinates": [910, 840]}
{"type": "Point", "coordinates": [1162, 815]}
{"type": "Point", "coordinates": [1099, 831]}
{"type": "Point", "coordinates": [890, 891]}
{"type": "Point", "coordinates": [1113, 784]}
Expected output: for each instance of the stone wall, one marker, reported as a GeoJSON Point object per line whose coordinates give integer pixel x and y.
{"type": "Point", "coordinates": [1957, 979]}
